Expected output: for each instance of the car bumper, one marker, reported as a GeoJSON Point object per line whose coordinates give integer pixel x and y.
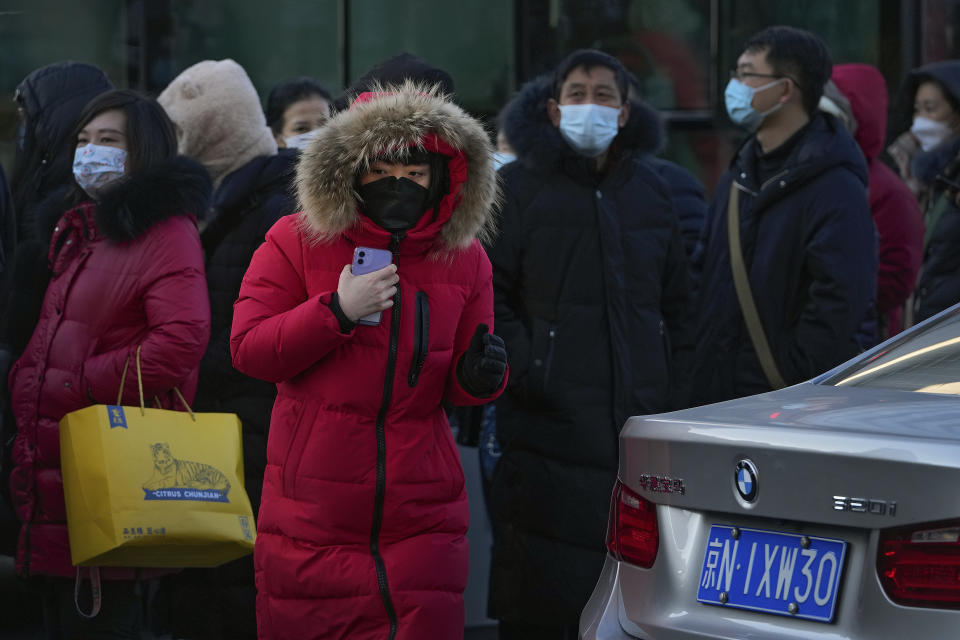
{"type": "Point", "coordinates": [663, 606]}
{"type": "Point", "coordinates": [600, 619]}
{"type": "Point", "coordinates": [603, 619]}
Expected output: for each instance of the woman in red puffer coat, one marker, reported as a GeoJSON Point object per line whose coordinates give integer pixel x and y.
{"type": "Point", "coordinates": [126, 272]}
{"type": "Point", "coordinates": [896, 212]}
{"type": "Point", "coordinates": [361, 532]}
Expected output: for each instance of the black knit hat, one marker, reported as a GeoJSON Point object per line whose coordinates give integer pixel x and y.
{"type": "Point", "coordinates": [395, 70]}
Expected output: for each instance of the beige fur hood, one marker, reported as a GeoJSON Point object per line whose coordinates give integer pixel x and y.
{"type": "Point", "coordinates": [398, 118]}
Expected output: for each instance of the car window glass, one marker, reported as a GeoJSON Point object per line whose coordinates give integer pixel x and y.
{"type": "Point", "coordinates": [927, 360]}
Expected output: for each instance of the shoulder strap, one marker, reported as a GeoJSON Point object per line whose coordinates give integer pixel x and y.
{"type": "Point", "coordinates": [745, 294]}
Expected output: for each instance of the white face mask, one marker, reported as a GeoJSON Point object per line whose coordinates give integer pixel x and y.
{"type": "Point", "coordinates": [589, 128]}
{"type": "Point", "coordinates": [929, 133]}
{"type": "Point", "coordinates": [300, 141]}
{"type": "Point", "coordinates": [96, 166]}
{"type": "Point", "coordinates": [501, 158]}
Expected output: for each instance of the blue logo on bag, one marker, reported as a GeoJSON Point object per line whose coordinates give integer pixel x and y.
{"type": "Point", "coordinates": [175, 479]}
{"type": "Point", "coordinates": [117, 417]}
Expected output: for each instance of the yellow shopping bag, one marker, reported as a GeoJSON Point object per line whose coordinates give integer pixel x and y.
{"type": "Point", "coordinates": [154, 488]}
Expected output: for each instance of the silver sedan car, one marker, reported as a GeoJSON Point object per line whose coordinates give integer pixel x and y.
{"type": "Point", "coordinates": [827, 510]}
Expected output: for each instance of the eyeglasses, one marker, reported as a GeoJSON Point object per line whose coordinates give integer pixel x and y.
{"type": "Point", "coordinates": [736, 74]}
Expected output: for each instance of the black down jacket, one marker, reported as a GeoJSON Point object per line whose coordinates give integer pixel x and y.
{"type": "Point", "coordinates": [219, 603]}
{"type": "Point", "coordinates": [8, 227]}
{"type": "Point", "coordinates": [810, 249]}
{"type": "Point", "coordinates": [592, 297]}
{"type": "Point", "coordinates": [248, 202]}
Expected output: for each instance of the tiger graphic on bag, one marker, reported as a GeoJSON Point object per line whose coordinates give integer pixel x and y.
{"type": "Point", "coordinates": [170, 472]}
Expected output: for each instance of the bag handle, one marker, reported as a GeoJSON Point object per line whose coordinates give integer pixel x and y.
{"type": "Point", "coordinates": [123, 379]}
{"type": "Point", "coordinates": [95, 593]}
{"type": "Point", "coordinates": [745, 295]}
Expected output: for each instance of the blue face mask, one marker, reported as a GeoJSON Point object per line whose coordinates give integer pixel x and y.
{"type": "Point", "coordinates": [501, 158]}
{"type": "Point", "coordinates": [589, 128]}
{"type": "Point", "coordinates": [738, 98]}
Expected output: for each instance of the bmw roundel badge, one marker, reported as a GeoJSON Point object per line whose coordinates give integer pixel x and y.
{"type": "Point", "coordinates": [746, 480]}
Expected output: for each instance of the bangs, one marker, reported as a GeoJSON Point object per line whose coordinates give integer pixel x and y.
{"type": "Point", "coordinates": [406, 155]}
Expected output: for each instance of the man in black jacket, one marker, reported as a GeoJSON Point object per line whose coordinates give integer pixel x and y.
{"type": "Point", "coordinates": [807, 239]}
{"type": "Point", "coordinates": [592, 296]}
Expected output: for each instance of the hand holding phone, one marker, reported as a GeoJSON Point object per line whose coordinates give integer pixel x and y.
{"type": "Point", "coordinates": [367, 286]}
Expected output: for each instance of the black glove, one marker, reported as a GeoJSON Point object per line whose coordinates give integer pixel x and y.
{"type": "Point", "coordinates": [483, 365]}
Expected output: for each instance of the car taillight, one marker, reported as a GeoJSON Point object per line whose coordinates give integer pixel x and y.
{"type": "Point", "coordinates": [632, 533]}
{"type": "Point", "coordinates": [920, 566]}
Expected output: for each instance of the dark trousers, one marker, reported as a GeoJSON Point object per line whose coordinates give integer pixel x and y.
{"type": "Point", "coordinates": [509, 630]}
{"type": "Point", "coordinates": [211, 604]}
{"type": "Point", "coordinates": [120, 612]}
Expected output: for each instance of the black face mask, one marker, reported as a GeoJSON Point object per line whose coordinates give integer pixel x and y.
{"type": "Point", "coordinates": [394, 204]}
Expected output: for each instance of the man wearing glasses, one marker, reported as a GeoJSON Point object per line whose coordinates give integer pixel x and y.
{"type": "Point", "coordinates": [788, 259]}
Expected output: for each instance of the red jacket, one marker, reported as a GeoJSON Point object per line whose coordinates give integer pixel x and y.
{"type": "Point", "coordinates": [126, 273]}
{"type": "Point", "coordinates": [361, 531]}
{"type": "Point", "coordinates": [896, 212]}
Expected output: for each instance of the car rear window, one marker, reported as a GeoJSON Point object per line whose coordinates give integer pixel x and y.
{"type": "Point", "coordinates": [926, 360]}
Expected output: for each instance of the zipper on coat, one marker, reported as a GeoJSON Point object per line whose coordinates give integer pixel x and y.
{"type": "Point", "coordinates": [548, 361]}
{"type": "Point", "coordinates": [667, 350]}
{"type": "Point", "coordinates": [772, 178]}
{"type": "Point", "coordinates": [744, 188]}
{"type": "Point", "coordinates": [665, 336]}
{"type": "Point", "coordinates": [421, 337]}
{"type": "Point", "coordinates": [382, 452]}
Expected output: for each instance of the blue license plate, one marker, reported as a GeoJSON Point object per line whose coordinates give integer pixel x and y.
{"type": "Point", "coordinates": [783, 573]}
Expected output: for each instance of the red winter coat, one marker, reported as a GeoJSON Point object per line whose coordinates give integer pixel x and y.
{"type": "Point", "coordinates": [125, 273]}
{"type": "Point", "coordinates": [361, 531]}
{"type": "Point", "coordinates": [896, 213]}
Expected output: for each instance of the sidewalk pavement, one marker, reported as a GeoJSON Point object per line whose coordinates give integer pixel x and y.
{"type": "Point", "coordinates": [20, 617]}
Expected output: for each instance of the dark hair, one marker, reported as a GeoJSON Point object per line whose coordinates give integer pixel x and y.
{"type": "Point", "coordinates": [395, 71]}
{"type": "Point", "coordinates": [284, 95]}
{"type": "Point", "coordinates": [588, 59]}
{"type": "Point", "coordinates": [799, 55]}
{"type": "Point", "coordinates": [151, 137]}
{"type": "Point", "coordinates": [947, 93]}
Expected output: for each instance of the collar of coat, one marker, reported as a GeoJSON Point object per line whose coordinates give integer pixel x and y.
{"type": "Point", "coordinates": [179, 186]}
{"type": "Point", "coordinates": [398, 117]}
{"type": "Point", "coordinates": [538, 143]}
{"type": "Point", "coordinates": [824, 144]}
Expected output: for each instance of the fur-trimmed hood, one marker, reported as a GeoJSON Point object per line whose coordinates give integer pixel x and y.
{"type": "Point", "coordinates": [177, 186]}
{"type": "Point", "coordinates": [400, 117]}
{"type": "Point", "coordinates": [538, 143]}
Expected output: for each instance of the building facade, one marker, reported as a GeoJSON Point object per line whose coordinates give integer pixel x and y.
{"type": "Point", "coordinates": [680, 50]}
